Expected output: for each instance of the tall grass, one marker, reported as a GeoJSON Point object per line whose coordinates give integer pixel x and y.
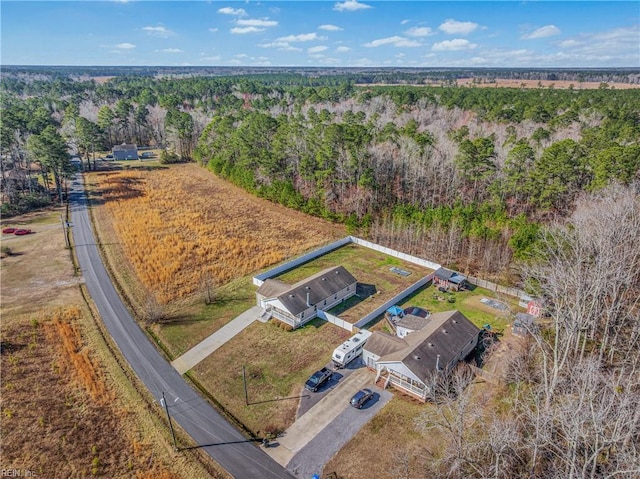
{"type": "Point", "coordinates": [176, 232]}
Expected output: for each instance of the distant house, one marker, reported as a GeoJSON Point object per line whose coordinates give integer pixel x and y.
{"type": "Point", "coordinates": [409, 363]}
{"type": "Point", "coordinates": [523, 324]}
{"type": "Point", "coordinates": [299, 303]}
{"type": "Point", "coordinates": [125, 152]}
{"type": "Point", "coordinates": [447, 279]}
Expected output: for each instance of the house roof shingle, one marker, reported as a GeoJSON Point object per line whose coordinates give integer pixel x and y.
{"type": "Point", "coordinates": [319, 287]}
{"type": "Point", "coordinates": [413, 322]}
{"type": "Point", "coordinates": [272, 288]}
{"type": "Point", "coordinates": [446, 335]}
{"type": "Point", "coordinates": [124, 147]}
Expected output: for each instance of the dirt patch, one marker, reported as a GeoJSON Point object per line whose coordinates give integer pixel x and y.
{"type": "Point", "coordinates": [67, 409]}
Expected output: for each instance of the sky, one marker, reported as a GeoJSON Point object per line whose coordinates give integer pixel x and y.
{"type": "Point", "coordinates": [349, 33]}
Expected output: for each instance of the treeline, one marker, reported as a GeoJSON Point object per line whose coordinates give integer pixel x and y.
{"type": "Point", "coordinates": [570, 402]}
{"type": "Point", "coordinates": [443, 171]}
{"type": "Point", "coordinates": [438, 159]}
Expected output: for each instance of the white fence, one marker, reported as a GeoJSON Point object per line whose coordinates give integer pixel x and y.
{"type": "Point", "coordinates": [335, 320]}
{"type": "Point", "coordinates": [396, 299]}
{"type": "Point", "coordinates": [396, 254]}
{"type": "Point", "coordinates": [515, 292]}
{"type": "Point", "coordinates": [260, 278]}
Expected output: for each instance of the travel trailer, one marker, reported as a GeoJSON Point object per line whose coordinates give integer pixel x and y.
{"type": "Point", "coordinates": [350, 349]}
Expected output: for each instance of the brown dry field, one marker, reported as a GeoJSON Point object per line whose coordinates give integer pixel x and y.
{"type": "Point", "coordinates": [531, 84]}
{"type": "Point", "coordinates": [67, 409]}
{"type": "Point", "coordinates": [181, 224]}
{"type": "Point", "coordinates": [561, 85]}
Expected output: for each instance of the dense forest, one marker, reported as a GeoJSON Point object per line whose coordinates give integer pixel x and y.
{"type": "Point", "coordinates": [538, 186]}
{"type": "Point", "coordinates": [463, 174]}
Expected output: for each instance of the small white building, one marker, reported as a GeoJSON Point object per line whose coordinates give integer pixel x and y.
{"type": "Point", "coordinates": [410, 363]}
{"type": "Point", "coordinates": [299, 303]}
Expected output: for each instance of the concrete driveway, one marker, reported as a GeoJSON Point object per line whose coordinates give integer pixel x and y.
{"type": "Point", "coordinates": [339, 376]}
{"type": "Point", "coordinates": [317, 435]}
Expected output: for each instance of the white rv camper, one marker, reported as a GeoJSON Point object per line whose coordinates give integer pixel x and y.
{"type": "Point", "coordinates": [350, 349]}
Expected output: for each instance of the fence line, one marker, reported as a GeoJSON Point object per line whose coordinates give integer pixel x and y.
{"type": "Point", "coordinates": [396, 254]}
{"type": "Point", "coordinates": [260, 278]}
{"type": "Point", "coordinates": [335, 320]}
{"type": "Point", "coordinates": [396, 299]}
{"type": "Point", "coordinates": [515, 292]}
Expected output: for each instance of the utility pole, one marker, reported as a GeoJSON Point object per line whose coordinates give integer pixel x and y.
{"type": "Point", "coordinates": [65, 232]}
{"type": "Point", "coordinates": [173, 434]}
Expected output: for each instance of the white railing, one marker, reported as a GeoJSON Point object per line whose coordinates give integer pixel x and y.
{"type": "Point", "coordinates": [419, 391]}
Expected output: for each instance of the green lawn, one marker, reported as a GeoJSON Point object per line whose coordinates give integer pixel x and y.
{"type": "Point", "coordinates": [277, 365]}
{"type": "Point", "coordinates": [467, 302]}
{"type": "Point", "coordinates": [369, 267]}
{"type": "Point", "coordinates": [192, 323]}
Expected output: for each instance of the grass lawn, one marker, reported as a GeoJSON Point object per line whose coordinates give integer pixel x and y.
{"type": "Point", "coordinates": [191, 323]}
{"type": "Point", "coordinates": [467, 302]}
{"type": "Point", "coordinates": [369, 267]}
{"type": "Point", "coordinates": [382, 442]}
{"type": "Point", "coordinates": [277, 365]}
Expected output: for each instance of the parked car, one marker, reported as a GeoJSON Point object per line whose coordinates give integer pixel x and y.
{"type": "Point", "coordinates": [317, 379]}
{"type": "Point", "coordinates": [8, 231]}
{"type": "Point", "coordinates": [361, 397]}
{"type": "Point", "coordinates": [21, 232]}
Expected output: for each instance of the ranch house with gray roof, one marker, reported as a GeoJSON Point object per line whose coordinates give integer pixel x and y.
{"type": "Point", "coordinates": [299, 303]}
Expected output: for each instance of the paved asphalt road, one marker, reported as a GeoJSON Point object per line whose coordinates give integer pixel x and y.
{"type": "Point", "coordinates": [241, 458]}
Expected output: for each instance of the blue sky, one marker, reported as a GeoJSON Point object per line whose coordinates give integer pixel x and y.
{"type": "Point", "coordinates": [322, 33]}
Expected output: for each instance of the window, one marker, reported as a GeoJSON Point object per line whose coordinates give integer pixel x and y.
{"type": "Point", "coordinates": [335, 297]}
{"type": "Point", "coordinates": [348, 287]}
{"type": "Point", "coordinates": [325, 302]}
{"type": "Point", "coordinates": [302, 315]}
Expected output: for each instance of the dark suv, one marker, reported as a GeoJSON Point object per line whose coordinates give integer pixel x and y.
{"type": "Point", "coordinates": [361, 397]}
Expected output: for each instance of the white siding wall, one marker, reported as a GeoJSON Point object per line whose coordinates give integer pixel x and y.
{"type": "Point", "coordinates": [400, 369]}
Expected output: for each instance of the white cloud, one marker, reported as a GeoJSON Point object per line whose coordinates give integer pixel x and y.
{"type": "Point", "coordinates": [302, 37]}
{"type": "Point", "coordinates": [404, 22]}
{"type": "Point", "coordinates": [216, 58]}
{"type": "Point", "coordinates": [570, 43]}
{"type": "Point", "coordinates": [454, 27]}
{"type": "Point", "coordinates": [330, 28]}
{"type": "Point", "coordinates": [542, 32]}
{"type": "Point", "coordinates": [244, 30]}
{"type": "Point", "coordinates": [232, 11]}
{"type": "Point", "coordinates": [396, 41]}
{"type": "Point", "coordinates": [159, 31]}
{"type": "Point", "coordinates": [213, 30]}
{"type": "Point", "coordinates": [125, 46]}
{"type": "Point", "coordinates": [350, 6]}
{"type": "Point", "coordinates": [170, 50]}
{"type": "Point", "coordinates": [283, 46]}
{"type": "Point", "coordinates": [343, 49]}
{"type": "Point", "coordinates": [241, 55]}
{"type": "Point", "coordinates": [453, 45]}
{"type": "Point", "coordinates": [419, 32]}
{"type": "Point", "coordinates": [257, 22]}
{"type": "Point", "coordinates": [317, 49]}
